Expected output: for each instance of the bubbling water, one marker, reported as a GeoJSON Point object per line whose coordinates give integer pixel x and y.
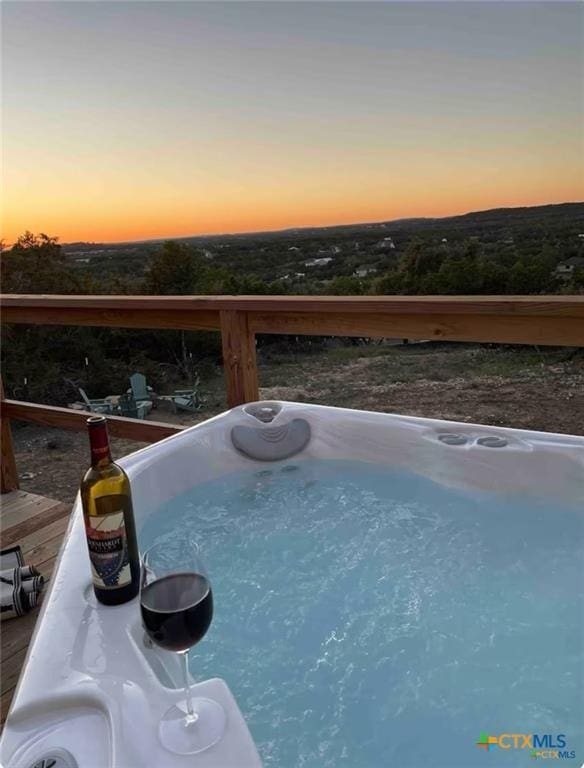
{"type": "Point", "coordinates": [366, 617]}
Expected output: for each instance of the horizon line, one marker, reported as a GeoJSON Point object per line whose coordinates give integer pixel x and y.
{"type": "Point", "coordinates": [301, 227]}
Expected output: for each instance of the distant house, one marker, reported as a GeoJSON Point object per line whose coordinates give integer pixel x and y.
{"type": "Point", "coordinates": [365, 270]}
{"type": "Point", "coordinates": [386, 244]}
{"type": "Point", "coordinates": [566, 269]}
{"type": "Point", "coordinates": [294, 248]}
{"type": "Point", "coordinates": [318, 262]}
{"type": "Point", "coordinates": [582, 236]}
{"type": "Point", "coordinates": [444, 240]}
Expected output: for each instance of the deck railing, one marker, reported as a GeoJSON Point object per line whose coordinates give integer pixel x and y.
{"type": "Point", "coordinates": [540, 320]}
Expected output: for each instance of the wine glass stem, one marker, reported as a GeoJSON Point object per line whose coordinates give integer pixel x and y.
{"type": "Point", "coordinates": [192, 716]}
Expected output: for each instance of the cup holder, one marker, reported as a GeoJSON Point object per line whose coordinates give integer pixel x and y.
{"type": "Point", "coordinates": [492, 441]}
{"type": "Point", "coordinates": [452, 438]}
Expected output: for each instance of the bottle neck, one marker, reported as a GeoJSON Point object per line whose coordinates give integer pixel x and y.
{"type": "Point", "coordinates": [99, 445]}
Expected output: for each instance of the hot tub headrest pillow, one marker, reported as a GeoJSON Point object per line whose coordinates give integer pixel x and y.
{"type": "Point", "coordinates": [271, 443]}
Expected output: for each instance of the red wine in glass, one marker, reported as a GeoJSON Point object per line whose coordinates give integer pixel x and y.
{"type": "Point", "coordinates": [177, 610]}
{"type": "Point", "coordinates": [176, 602]}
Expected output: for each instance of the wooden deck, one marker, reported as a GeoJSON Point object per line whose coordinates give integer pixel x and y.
{"type": "Point", "coordinates": [38, 525]}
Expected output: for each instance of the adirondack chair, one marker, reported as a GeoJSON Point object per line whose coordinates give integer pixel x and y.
{"type": "Point", "coordinates": [140, 392]}
{"type": "Point", "coordinates": [186, 400]}
{"type": "Point", "coordinates": [127, 406]}
{"type": "Point", "coordinates": [96, 405]}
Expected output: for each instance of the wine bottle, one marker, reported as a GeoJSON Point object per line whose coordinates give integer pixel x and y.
{"type": "Point", "coordinates": [109, 522]}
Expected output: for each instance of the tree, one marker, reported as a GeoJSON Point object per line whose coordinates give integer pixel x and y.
{"type": "Point", "coordinates": [36, 359]}
{"type": "Point", "coordinates": [36, 264]}
{"type": "Point", "coordinates": [346, 285]}
{"type": "Point", "coordinates": [179, 269]}
{"type": "Point", "coordinates": [174, 271]}
{"type": "Point", "coordinates": [390, 284]}
{"type": "Point", "coordinates": [419, 260]}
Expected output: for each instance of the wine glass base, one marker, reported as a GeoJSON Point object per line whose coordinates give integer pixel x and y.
{"type": "Point", "coordinates": [182, 737]}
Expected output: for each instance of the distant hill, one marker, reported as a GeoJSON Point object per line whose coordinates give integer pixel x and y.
{"type": "Point", "coordinates": [505, 221]}
{"type": "Point", "coordinates": [520, 250]}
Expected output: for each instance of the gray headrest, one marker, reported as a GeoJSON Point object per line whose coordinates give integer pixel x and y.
{"type": "Point", "coordinates": [272, 443]}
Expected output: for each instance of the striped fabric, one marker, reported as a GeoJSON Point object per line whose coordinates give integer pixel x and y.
{"type": "Point", "coordinates": [20, 584]}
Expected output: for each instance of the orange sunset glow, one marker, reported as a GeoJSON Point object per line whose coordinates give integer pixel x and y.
{"type": "Point", "coordinates": [213, 118]}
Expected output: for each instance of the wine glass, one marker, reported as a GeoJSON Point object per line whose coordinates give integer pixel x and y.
{"type": "Point", "coordinates": [176, 602]}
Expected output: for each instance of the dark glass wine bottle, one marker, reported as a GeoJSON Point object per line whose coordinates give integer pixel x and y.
{"type": "Point", "coordinates": [109, 522]}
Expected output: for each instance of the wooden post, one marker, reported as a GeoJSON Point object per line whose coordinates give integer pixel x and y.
{"type": "Point", "coordinates": [239, 358]}
{"type": "Point", "coordinates": [8, 472]}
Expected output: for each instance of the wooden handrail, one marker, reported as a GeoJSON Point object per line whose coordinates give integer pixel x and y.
{"type": "Point", "coordinates": [566, 306]}
{"type": "Point", "coordinates": [67, 418]}
{"type": "Point", "coordinates": [557, 320]}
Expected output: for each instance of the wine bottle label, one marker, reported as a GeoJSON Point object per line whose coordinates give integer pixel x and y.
{"type": "Point", "coordinates": [108, 544]}
{"type": "Point", "coordinates": [99, 452]}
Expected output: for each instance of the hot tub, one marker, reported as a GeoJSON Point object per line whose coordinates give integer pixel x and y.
{"type": "Point", "coordinates": [389, 591]}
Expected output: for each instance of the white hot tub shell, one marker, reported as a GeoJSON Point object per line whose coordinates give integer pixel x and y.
{"type": "Point", "coordinates": [91, 686]}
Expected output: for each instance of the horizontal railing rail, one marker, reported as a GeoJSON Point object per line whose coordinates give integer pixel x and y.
{"type": "Point", "coordinates": [539, 320]}
{"type": "Point", "coordinates": [506, 319]}
{"type": "Point", "coordinates": [464, 304]}
{"type": "Point", "coordinates": [66, 418]}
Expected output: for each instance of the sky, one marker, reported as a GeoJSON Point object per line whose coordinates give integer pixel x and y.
{"type": "Point", "coordinates": [125, 121]}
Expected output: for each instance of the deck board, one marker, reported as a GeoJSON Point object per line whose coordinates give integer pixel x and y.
{"type": "Point", "coordinates": [38, 525]}
{"type": "Point", "coordinates": [38, 536]}
{"type": "Point", "coordinates": [19, 510]}
{"type": "Point", "coordinates": [15, 534]}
